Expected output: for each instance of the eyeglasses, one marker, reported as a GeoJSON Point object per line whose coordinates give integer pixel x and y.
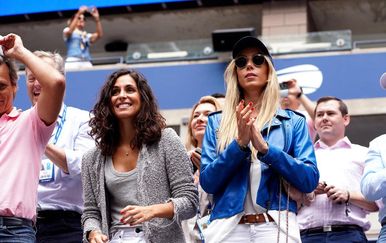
{"type": "Point", "coordinates": [257, 60]}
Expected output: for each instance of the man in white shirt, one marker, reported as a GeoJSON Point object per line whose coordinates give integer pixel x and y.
{"type": "Point", "coordinates": [60, 201]}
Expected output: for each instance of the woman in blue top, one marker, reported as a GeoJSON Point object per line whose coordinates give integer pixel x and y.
{"type": "Point", "coordinates": [78, 40]}
{"type": "Point", "coordinates": [253, 154]}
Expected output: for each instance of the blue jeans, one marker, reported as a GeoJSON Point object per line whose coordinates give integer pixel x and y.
{"type": "Point", "coordinates": [17, 234]}
{"type": "Point", "coordinates": [348, 236]}
{"type": "Point", "coordinates": [382, 235]}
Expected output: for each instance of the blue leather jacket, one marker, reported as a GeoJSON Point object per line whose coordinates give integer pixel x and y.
{"type": "Point", "coordinates": [290, 156]}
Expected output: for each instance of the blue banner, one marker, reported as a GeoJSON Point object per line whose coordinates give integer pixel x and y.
{"type": "Point", "coordinates": [16, 7]}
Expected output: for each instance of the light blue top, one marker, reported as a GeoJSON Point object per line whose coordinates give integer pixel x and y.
{"type": "Point", "coordinates": [78, 44]}
{"type": "Point", "coordinates": [373, 183]}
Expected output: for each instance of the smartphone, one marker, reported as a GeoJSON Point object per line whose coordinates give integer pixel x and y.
{"type": "Point", "coordinates": [283, 85]}
{"type": "Point", "coordinates": [283, 89]}
{"type": "Point", "coordinates": [198, 150]}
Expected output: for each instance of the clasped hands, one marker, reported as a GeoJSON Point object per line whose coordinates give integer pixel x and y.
{"type": "Point", "coordinates": [336, 195]}
{"type": "Point", "coordinates": [247, 128]}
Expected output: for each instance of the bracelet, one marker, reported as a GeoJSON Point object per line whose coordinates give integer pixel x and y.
{"type": "Point", "coordinates": [300, 94]}
{"type": "Point", "coordinates": [348, 197]}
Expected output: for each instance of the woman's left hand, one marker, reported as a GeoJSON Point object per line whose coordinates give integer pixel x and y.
{"type": "Point", "coordinates": [133, 215]}
{"type": "Point", "coordinates": [258, 141]}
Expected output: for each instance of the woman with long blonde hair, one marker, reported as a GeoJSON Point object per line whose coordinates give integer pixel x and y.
{"type": "Point", "coordinates": [250, 150]}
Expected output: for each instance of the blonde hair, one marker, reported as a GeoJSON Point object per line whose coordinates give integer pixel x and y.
{"type": "Point", "coordinates": [269, 105]}
{"type": "Point", "coordinates": [190, 140]}
{"type": "Point", "coordinates": [56, 58]}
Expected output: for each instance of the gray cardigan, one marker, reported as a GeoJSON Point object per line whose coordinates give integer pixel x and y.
{"type": "Point", "coordinates": [164, 174]}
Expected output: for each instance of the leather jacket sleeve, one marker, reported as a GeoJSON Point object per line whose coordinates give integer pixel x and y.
{"type": "Point", "coordinates": [296, 162]}
{"type": "Point", "coordinates": [228, 162]}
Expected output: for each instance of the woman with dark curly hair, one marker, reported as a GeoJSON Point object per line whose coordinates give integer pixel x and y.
{"type": "Point", "coordinates": [137, 182]}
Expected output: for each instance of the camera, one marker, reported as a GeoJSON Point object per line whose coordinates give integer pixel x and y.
{"type": "Point", "coordinates": [283, 89]}
{"type": "Point", "coordinates": [90, 9]}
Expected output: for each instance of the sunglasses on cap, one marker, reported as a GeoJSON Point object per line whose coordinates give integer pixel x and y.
{"type": "Point", "coordinates": [257, 60]}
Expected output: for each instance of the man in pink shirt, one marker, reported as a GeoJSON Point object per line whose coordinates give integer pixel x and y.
{"type": "Point", "coordinates": [23, 137]}
{"type": "Point", "coordinates": [337, 209]}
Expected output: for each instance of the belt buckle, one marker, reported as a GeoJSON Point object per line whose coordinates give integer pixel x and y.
{"type": "Point", "coordinates": [327, 228]}
{"type": "Point", "coordinates": [256, 219]}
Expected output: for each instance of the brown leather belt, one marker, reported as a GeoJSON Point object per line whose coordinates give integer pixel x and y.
{"type": "Point", "coordinates": [255, 218]}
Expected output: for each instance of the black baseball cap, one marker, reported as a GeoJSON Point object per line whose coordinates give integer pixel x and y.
{"type": "Point", "coordinates": [249, 41]}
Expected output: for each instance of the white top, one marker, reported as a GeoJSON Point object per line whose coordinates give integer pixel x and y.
{"type": "Point", "coordinates": [218, 229]}
{"type": "Point", "coordinates": [64, 191]}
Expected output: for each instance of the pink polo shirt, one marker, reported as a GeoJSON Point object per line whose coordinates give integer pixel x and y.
{"type": "Point", "coordinates": [23, 137]}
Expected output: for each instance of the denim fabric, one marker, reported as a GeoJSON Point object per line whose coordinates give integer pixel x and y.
{"type": "Point", "coordinates": [66, 230]}
{"type": "Point", "coordinates": [17, 234]}
{"type": "Point", "coordinates": [382, 235]}
{"type": "Point", "coordinates": [348, 236]}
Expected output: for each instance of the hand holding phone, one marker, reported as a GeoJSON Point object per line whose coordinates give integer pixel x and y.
{"type": "Point", "coordinates": [195, 157]}
{"type": "Point", "coordinates": [283, 89]}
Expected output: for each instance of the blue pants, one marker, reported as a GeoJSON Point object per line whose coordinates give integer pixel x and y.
{"type": "Point", "coordinates": [66, 230]}
{"type": "Point", "coordinates": [348, 236]}
{"type": "Point", "coordinates": [17, 234]}
{"type": "Point", "coordinates": [382, 235]}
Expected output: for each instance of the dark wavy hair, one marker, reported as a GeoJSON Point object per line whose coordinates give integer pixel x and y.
{"type": "Point", "coordinates": [148, 123]}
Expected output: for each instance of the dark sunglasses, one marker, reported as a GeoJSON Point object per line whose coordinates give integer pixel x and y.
{"type": "Point", "coordinates": [257, 60]}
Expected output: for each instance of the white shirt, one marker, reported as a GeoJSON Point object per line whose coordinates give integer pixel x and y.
{"type": "Point", "coordinates": [65, 191]}
{"type": "Point", "coordinates": [218, 229]}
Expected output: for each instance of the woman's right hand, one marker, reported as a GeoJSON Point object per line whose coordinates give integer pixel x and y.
{"type": "Point", "coordinates": [195, 158]}
{"type": "Point", "coordinates": [97, 237]}
{"type": "Point", "coordinates": [244, 122]}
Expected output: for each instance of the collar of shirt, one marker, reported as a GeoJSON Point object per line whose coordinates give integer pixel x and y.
{"type": "Point", "coordinates": [14, 113]}
{"type": "Point", "coordinates": [342, 143]}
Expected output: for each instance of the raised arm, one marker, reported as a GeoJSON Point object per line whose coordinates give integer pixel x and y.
{"type": "Point", "coordinates": [74, 21]}
{"type": "Point", "coordinates": [294, 88]}
{"type": "Point", "coordinates": [52, 82]}
{"type": "Point", "coordinates": [99, 30]}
